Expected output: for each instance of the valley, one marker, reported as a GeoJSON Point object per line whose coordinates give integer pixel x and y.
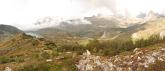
{"type": "Point", "coordinates": [95, 43]}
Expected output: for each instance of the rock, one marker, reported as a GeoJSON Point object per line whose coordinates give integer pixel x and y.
{"type": "Point", "coordinates": [136, 50]}
{"type": "Point", "coordinates": [60, 57]}
{"type": "Point", "coordinates": [48, 51]}
{"type": "Point", "coordinates": [162, 49]}
{"type": "Point", "coordinates": [68, 52]}
{"type": "Point", "coordinates": [97, 62]}
{"type": "Point", "coordinates": [139, 58]}
{"type": "Point", "coordinates": [49, 60]}
{"type": "Point", "coordinates": [138, 61]}
{"type": "Point", "coordinates": [89, 67]}
{"type": "Point", "coordinates": [8, 69]}
{"type": "Point", "coordinates": [87, 52]}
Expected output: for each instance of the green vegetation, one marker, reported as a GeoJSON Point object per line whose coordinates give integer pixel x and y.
{"type": "Point", "coordinates": [4, 59]}
{"type": "Point", "coordinates": [34, 53]}
{"type": "Point", "coordinates": [66, 64]}
{"type": "Point", "coordinates": [36, 67]}
{"type": "Point", "coordinates": [45, 55]}
{"type": "Point", "coordinates": [157, 66]}
{"type": "Point", "coordinates": [116, 46]}
{"type": "Point", "coordinates": [50, 45]}
{"type": "Point", "coordinates": [72, 48]}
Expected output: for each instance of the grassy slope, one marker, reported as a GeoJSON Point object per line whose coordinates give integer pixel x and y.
{"type": "Point", "coordinates": [24, 52]}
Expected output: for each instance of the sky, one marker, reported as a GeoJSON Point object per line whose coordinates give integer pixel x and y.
{"type": "Point", "coordinates": [24, 13]}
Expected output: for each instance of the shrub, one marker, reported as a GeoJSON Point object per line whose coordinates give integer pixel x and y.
{"type": "Point", "coordinates": [94, 46]}
{"type": "Point", "coordinates": [157, 66]}
{"type": "Point", "coordinates": [71, 47]}
{"type": "Point", "coordinates": [50, 45]}
{"type": "Point", "coordinates": [55, 53]}
{"type": "Point", "coordinates": [116, 46]}
{"type": "Point", "coordinates": [36, 67]}
{"type": "Point", "coordinates": [67, 65]}
{"type": "Point", "coordinates": [5, 59]}
{"type": "Point", "coordinates": [35, 42]}
{"type": "Point", "coordinates": [45, 55]}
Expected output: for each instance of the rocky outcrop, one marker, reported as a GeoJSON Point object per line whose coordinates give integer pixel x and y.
{"type": "Point", "coordinates": [138, 61]}
{"type": "Point", "coordinates": [8, 69]}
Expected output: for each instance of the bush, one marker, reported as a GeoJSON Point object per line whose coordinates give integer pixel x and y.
{"type": "Point", "coordinates": [119, 45]}
{"type": "Point", "coordinates": [50, 45]}
{"type": "Point", "coordinates": [157, 66]}
{"type": "Point", "coordinates": [35, 42]}
{"type": "Point", "coordinates": [55, 53]}
{"type": "Point", "coordinates": [110, 52]}
{"type": "Point", "coordinates": [71, 47]}
{"type": "Point", "coordinates": [94, 46]}
{"type": "Point", "coordinates": [5, 60]}
{"type": "Point", "coordinates": [45, 55]}
{"type": "Point", "coordinates": [36, 67]}
{"type": "Point", "coordinates": [67, 65]}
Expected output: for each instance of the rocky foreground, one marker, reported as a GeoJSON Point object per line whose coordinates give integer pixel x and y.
{"type": "Point", "coordinates": [139, 60]}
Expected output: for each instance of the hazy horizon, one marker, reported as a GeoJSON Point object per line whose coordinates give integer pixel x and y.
{"type": "Point", "coordinates": [24, 13]}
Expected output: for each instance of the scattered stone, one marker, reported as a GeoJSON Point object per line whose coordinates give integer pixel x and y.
{"type": "Point", "coordinates": [139, 58]}
{"type": "Point", "coordinates": [60, 57]}
{"type": "Point", "coordinates": [87, 53]}
{"type": "Point", "coordinates": [136, 50]}
{"type": "Point", "coordinates": [49, 60]}
{"type": "Point", "coordinates": [68, 52]}
{"type": "Point", "coordinates": [8, 69]}
{"type": "Point", "coordinates": [89, 67]}
{"type": "Point", "coordinates": [48, 51]}
{"type": "Point", "coordinates": [138, 61]}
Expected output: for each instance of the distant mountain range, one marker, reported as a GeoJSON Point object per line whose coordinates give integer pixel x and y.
{"type": "Point", "coordinates": [60, 47]}
{"type": "Point", "coordinates": [97, 26]}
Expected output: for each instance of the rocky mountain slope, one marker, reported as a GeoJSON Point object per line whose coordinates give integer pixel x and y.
{"type": "Point", "coordinates": [6, 31]}
{"type": "Point", "coordinates": [24, 52]}
{"type": "Point", "coordinates": [27, 53]}
{"type": "Point", "coordinates": [138, 60]}
{"type": "Point", "coordinates": [90, 27]}
{"type": "Point", "coordinates": [97, 26]}
{"type": "Point", "coordinates": [150, 28]}
{"type": "Point", "coordinates": [108, 38]}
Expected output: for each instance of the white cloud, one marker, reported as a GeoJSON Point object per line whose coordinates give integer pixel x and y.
{"type": "Point", "coordinates": [137, 6]}
{"type": "Point", "coordinates": [23, 13]}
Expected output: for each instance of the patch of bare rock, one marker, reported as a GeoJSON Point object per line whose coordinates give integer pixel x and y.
{"type": "Point", "coordinates": [138, 61]}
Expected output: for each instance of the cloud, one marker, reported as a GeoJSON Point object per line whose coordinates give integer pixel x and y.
{"type": "Point", "coordinates": [110, 4]}
{"type": "Point", "coordinates": [88, 5]}
{"type": "Point", "coordinates": [24, 13]}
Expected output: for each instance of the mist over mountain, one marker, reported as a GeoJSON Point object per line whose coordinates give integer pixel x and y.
{"type": "Point", "coordinates": [25, 13]}
{"type": "Point", "coordinates": [94, 26]}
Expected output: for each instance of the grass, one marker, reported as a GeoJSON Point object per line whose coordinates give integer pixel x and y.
{"type": "Point", "coordinates": [33, 57]}
{"type": "Point", "coordinates": [83, 42]}
{"type": "Point", "coordinates": [157, 66]}
{"type": "Point", "coordinates": [5, 59]}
